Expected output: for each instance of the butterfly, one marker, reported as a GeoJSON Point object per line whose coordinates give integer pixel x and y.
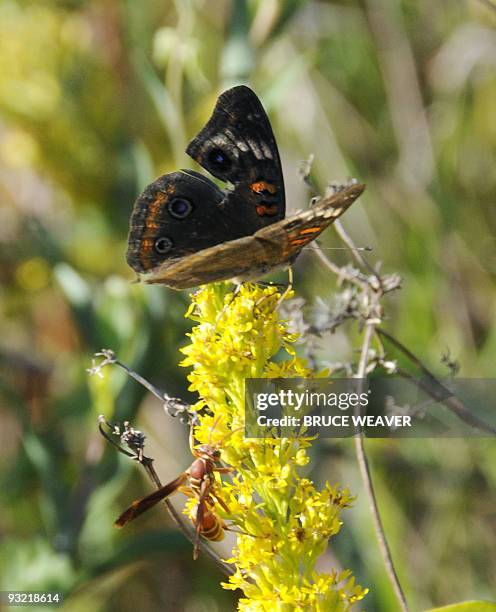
{"type": "Point", "coordinates": [186, 231]}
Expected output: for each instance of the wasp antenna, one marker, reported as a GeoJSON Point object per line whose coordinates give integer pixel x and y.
{"type": "Point", "coordinates": [227, 436]}
{"type": "Point", "coordinates": [214, 425]}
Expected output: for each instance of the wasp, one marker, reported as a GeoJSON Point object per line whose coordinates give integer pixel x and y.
{"type": "Point", "coordinates": [200, 476]}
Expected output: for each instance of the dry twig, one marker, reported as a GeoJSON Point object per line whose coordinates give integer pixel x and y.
{"type": "Point", "coordinates": [135, 441]}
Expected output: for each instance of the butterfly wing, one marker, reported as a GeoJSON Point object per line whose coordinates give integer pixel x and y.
{"type": "Point", "coordinates": [176, 215]}
{"type": "Point", "coordinates": [237, 146]}
{"type": "Point", "coordinates": [185, 212]}
{"type": "Point", "coordinates": [251, 257]}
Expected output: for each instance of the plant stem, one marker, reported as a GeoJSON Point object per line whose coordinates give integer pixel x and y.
{"type": "Point", "coordinates": [366, 475]}
{"type": "Point", "coordinates": [363, 464]}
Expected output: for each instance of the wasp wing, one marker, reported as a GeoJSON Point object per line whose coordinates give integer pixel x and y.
{"type": "Point", "coordinates": [141, 505]}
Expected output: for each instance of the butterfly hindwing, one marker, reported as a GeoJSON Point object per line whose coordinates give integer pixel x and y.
{"type": "Point", "coordinates": [178, 214]}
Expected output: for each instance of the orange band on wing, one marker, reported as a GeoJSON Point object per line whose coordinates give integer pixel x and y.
{"type": "Point", "coordinates": [151, 225]}
{"type": "Point", "coordinates": [304, 236]}
{"type": "Point", "coordinates": [264, 210]}
{"type": "Point", "coordinates": [262, 187]}
{"type": "Point", "coordinates": [299, 238]}
{"type": "Point", "coordinates": [146, 245]}
{"type": "Point", "coordinates": [310, 230]}
{"type": "Point", "coordinates": [299, 241]}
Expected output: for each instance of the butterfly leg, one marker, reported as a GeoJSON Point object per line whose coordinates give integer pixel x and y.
{"type": "Point", "coordinates": [288, 289]}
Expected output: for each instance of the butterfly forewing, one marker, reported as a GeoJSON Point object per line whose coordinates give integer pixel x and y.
{"type": "Point", "coordinates": [237, 145]}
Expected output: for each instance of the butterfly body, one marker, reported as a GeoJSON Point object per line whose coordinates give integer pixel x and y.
{"type": "Point", "coordinates": [185, 231]}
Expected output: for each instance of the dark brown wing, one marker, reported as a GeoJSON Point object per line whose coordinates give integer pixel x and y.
{"type": "Point", "coordinates": [184, 212]}
{"type": "Point", "coordinates": [178, 214]}
{"type": "Point", "coordinates": [237, 146]}
{"type": "Point", "coordinates": [254, 256]}
{"type": "Point", "coordinates": [141, 505]}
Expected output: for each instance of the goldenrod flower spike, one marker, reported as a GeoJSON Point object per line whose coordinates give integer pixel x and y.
{"type": "Point", "coordinates": [289, 520]}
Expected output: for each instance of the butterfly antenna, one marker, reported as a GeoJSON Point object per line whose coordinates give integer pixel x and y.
{"type": "Point", "coordinates": [321, 248]}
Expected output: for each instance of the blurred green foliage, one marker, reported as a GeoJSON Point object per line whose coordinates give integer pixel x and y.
{"type": "Point", "coordinates": [97, 97]}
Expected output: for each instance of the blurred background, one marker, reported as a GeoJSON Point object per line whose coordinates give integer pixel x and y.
{"type": "Point", "coordinates": [98, 97]}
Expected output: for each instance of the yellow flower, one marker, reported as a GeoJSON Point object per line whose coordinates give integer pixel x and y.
{"type": "Point", "coordinates": [286, 522]}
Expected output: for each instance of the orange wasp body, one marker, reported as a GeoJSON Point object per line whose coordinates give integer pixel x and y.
{"type": "Point", "coordinates": [212, 527]}
{"type": "Point", "coordinates": [200, 475]}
